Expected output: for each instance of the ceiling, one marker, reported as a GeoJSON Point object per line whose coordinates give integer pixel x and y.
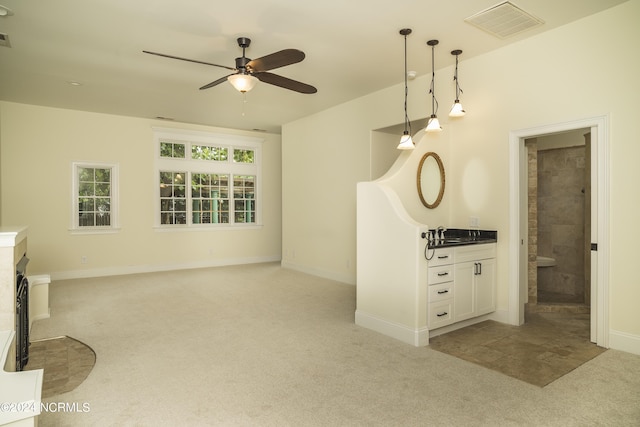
{"type": "Point", "coordinates": [352, 48]}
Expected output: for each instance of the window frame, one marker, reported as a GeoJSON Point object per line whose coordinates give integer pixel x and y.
{"type": "Point", "coordinates": [114, 211]}
{"type": "Point", "coordinates": [200, 166]}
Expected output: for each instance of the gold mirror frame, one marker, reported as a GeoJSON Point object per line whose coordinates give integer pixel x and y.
{"type": "Point", "coordinates": [442, 180]}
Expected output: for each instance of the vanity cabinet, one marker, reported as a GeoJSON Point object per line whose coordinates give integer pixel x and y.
{"type": "Point", "coordinates": [475, 281]}
{"type": "Point", "coordinates": [461, 283]}
{"type": "Point", "coordinates": [440, 276]}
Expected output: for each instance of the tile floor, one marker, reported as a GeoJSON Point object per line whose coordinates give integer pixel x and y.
{"type": "Point", "coordinates": [66, 363]}
{"type": "Point", "coordinates": [546, 347]}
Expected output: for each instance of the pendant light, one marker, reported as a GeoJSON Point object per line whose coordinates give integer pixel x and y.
{"type": "Point", "coordinates": [434, 124]}
{"type": "Point", "coordinates": [406, 142]}
{"type": "Point", "coordinates": [457, 110]}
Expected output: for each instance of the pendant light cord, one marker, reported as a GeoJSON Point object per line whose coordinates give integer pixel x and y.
{"type": "Point", "coordinates": [434, 101]}
{"type": "Point", "coordinates": [407, 122]}
{"type": "Point", "coordinates": [455, 78]}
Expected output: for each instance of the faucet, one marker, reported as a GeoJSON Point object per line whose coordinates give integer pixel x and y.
{"type": "Point", "coordinates": [440, 232]}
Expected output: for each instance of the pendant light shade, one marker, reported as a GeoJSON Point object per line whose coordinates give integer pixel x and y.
{"type": "Point", "coordinates": [457, 110]}
{"type": "Point", "coordinates": [434, 124]}
{"type": "Point", "coordinates": [406, 142]}
{"type": "Point", "coordinates": [242, 82]}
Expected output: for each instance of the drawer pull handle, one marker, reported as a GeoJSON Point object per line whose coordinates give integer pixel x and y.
{"type": "Point", "coordinates": [443, 256]}
{"type": "Point", "coordinates": [446, 291]}
{"type": "Point", "coordinates": [444, 273]}
{"type": "Point", "coordinates": [444, 313]}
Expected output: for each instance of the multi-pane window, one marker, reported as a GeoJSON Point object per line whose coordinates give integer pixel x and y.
{"type": "Point", "coordinates": [94, 189]}
{"type": "Point", "coordinates": [171, 149]}
{"type": "Point", "coordinates": [173, 197]}
{"type": "Point", "coordinates": [210, 198]}
{"type": "Point", "coordinates": [204, 152]}
{"type": "Point", "coordinates": [243, 156]}
{"type": "Point", "coordinates": [207, 181]}
{"type": "Point", "coordinates": [244, 198]}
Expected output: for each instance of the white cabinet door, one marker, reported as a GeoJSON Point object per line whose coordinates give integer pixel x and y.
{"type": "Point", "coordinates": [485, 289]}
{"type": "Point", "coordinates": [475, 292]}
{"type": "Point", "coordinates": [464, 300]}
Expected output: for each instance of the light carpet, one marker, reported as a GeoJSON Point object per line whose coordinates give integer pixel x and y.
{"type": "Point", "coordinates": [259, 345]}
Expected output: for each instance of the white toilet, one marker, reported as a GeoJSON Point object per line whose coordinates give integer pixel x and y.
{"type": "Point", "coordinates": [544, 261]}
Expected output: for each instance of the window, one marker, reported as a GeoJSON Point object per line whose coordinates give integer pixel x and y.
{"type": "Point", "coordinates": [207, 180]}
{"type": "Point", "coordinates": [95, 196]}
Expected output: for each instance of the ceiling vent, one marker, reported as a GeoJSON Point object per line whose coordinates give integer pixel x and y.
{"type": "Point", "coordinates": [504, 20]}
{"type": "Point", "coordinates": [4, 40]}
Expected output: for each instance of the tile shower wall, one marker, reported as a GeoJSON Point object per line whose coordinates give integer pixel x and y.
{"type": "Point", "coordinates": [532, 220]}
{"type": "Point", "coordinates": [561, 222]}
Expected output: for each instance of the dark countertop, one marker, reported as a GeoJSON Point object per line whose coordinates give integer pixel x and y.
{"type": "Point", "coordinates": [463, 237]}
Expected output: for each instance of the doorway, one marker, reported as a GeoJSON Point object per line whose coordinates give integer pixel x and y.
{"type": "Point", "coordinates": [559, 222]}
{"type": "Point", "coordinates": [520, 259]}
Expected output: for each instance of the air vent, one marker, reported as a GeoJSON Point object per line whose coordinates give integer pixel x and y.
{"type": "Point", "coordinates": [504, 20]}
{"type": "Point", "coordinates": [4, 40]}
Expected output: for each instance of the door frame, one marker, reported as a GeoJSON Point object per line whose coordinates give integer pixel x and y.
{"type": "Point", "coordinates": [518, 217]}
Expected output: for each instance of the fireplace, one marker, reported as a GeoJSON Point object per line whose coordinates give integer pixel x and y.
{"type": "Point", "coordinates": [22, 314]}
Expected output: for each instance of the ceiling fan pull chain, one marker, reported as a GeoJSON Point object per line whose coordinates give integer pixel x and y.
{"type": "Point", "coordinates": [244, 101]}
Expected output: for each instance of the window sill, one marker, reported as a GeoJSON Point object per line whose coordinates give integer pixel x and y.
{"type": "Point", "coordinates": [201, 228]}
{"type": "Point", "coordinates": [79, 231]}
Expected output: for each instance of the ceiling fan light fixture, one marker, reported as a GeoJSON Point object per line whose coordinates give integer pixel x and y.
{"type": "Point", "coordinates": [242, 82]}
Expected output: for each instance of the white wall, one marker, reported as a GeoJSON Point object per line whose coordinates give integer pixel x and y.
{"type": "Point", "coordinates": [383, 153]}
{"type": "Point", "coordinates": [38, 146]}
{"type": "Point", "coordinates": [585, 69]}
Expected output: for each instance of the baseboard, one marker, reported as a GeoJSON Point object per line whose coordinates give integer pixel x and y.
{"type": "Point", "coordinates": [331, 275]}
{"type": "Point", "coordinates": [414, 337]}
{"type": "Point", "coordinates": [624, 342]}
{"type": "Point", "coordinates": [136, 269]}
{"type": "Point", "coordinates": [501, 316]}
{"type": "Point", "coordinates": [459, 325]}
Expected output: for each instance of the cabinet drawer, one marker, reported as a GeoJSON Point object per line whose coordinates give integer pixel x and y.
{"type": "Point", "coordinates": [440, 292]}
{"type": "Point", "coordinates": [475, 252]}
{"type": "Point", "coordinates": [441, 256]}
{"type": "Point", "coordinates": [440, 314]}
{"type": "Point", "coordinates": [440, 274]}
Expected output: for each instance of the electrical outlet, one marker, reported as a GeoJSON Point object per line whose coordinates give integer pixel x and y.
{"type": "Point", "coordinates": [474, 221]}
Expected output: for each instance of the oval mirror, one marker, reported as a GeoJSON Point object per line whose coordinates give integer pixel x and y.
{"type": "Point", "coordinates": [430, 180]}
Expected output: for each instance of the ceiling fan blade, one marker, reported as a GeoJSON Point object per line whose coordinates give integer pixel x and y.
{"type": "Point", "coordinates": [217, 82]}
{"type": "Point", "coordinates": [276, 60]}
{"type": "Point", "coordinates": [285, 82]}
{"type": "Point", "coordinates": [189, 60]}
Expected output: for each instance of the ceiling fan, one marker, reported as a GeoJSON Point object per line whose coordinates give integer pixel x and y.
{"type": "Point", "coordinates": [248, 71]}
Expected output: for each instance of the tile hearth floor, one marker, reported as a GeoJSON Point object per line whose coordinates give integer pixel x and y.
{"type": "Point", "coordinates": [66, 362]}
{"type": "Point", "coordinates": [548, 346]}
